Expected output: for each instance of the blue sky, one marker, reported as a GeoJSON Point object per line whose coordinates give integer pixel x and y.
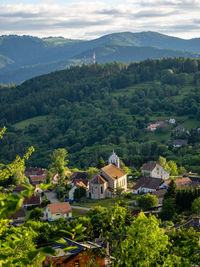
{"type": "Point", "coordinates": [88, 19]}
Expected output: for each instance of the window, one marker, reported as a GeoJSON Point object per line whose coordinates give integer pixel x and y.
{"type": "Point", "coordinates": [101, 189]}
{"type": "Point", "coordinates": [57, 214]}
{"type": "Point", "coordinates": [76, 263]}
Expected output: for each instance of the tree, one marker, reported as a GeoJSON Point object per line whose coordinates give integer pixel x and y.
{"type": "Point", "coordinates": [144, 245]}
{"type": "Point", "coordinates": [185, 244]}
{"type": "Point", "coordinates": [147, 201]}
{"type": "Point", "coordinates": [19, 178]}
{"type": "Point", "coordinates": [36, 214]}
{"type": "Point", "coordinates": [119, 191]}
{"type": "Point", "coordinates": [171, 191]}
{"type": "Point", "coordinates": [168, 209]}
{"type": "Point", "coordinates": [99, 220]}
{"type": "Point", "coordinates": [79, 193]}
{"type": "Point", "coordinates": [196, 205]}
{"type": "Point", "coordinates": [91, 172]}
{"type": "Point", "coordinates": [163, 163]}
{"type": "Point", "coordinates": [101, 163]}
{"type": "Point", "coordinates": [58, 163]}
{"type": "Point", "coordinates": [173, 168]}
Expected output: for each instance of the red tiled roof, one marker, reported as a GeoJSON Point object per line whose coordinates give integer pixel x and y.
{"type": "Point", "coordinates": [38, 178]}
{"type": "Point", "coordinates": [113, 171]}
{"type": "Point", "coordinates": [84, 181]}
{"type": "Point", "coordinates": [63, 207]}
{"type": "Point", "coordinates": [19, 188]}
{"type": "Point", "coordinates": [80, 184]}
{"type": "Point", "coordinates": [33, 200]}
{"type": "Point", "coordinates": [34, 171]}
{"type": "Point", "coordinates": [180, 182]}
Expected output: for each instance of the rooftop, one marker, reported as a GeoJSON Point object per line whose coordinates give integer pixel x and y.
{"type": "Point", "coordinates": [98, 179]}
{"type": "Point", "coordinates": [113, 171]}
{"type": "Point", "coordinates": [148, 182]}
{"type": "Point", "coordinates": [63, 207]}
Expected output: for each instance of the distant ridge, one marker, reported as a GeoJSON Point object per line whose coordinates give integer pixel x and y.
{"type": "Point", "coordinates": [23, 57]}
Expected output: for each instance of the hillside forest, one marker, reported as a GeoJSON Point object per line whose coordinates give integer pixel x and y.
{"type": "Point", "coordinates": [92, 109]}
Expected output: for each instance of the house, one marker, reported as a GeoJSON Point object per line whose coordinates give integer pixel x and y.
{"type": "Point", "coordinates": [37, 179]}
{"type": "Point", "coordinates": [79, 175]}
{"type": "Point", "coordinates": [153, 126]}
{"type": "Point", "coordinates": [76, 184]}
{"type": "Point", "coordinates": [105, 182]}
{"type": "Point", "coordinates": [148, 185]}
{"type": "Point", "coordinates": [153, 169]}
{"type": "Point", "coordinates": [82, 255]}
{"type": "Point", "coordinates": [172, 121]}
{"type": "Point", "coordinates": [55, 176]}
{"type": "Point", "coordinates": [36, 175]}
{"type": "Point", "coordinates": [184, 182]}
{"type": "Point", "coordinates": [180, 143]}
{"type": "Point", "coordinates": [19, 217]}
{"type": "Point", "coordinates": [160, 195]}
{"type": "Point", "coordinates": [180, 128]}
{"type": "Point", "coordinates": [32, 201]}
{"type": "Point", "coordinates": [58, 210]}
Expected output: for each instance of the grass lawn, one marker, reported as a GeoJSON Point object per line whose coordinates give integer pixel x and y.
{"type": "Point", "coordinates": [189, 124]}
{"type": "Point", "coordinates": [36, 120]}
{"type": "Point", "coordinates": [107, 203]}
{"type": "Point", "coordinates": [79, 212]}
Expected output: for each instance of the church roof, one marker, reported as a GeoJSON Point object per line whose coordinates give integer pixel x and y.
{"type": "Point", "coordinates": [98, 180]}
{"type": "Point", "coordinates": [113, 171]}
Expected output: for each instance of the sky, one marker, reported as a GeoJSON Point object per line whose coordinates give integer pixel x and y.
{"type": "Point", "coordinates": [82, 19]}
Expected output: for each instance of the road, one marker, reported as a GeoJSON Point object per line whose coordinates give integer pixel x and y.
{"type": "Point", "coordinates": [51, 195]}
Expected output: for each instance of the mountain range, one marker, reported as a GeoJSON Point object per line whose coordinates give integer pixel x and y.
{"type": "Point", "coordinates": [23, 57]}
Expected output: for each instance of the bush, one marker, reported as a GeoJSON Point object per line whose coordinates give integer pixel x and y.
{"type": "Point", "coordinates": [44, 203]}
{"type": "Point", "coordinates": [146, 202]}
{"type": "Point", "coordinates": [36, 214]}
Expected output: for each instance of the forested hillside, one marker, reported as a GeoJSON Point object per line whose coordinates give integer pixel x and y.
{"type": "Point", "coordinates": [24, 57]}
{"type": "Point", "coordinates": [93, 109]}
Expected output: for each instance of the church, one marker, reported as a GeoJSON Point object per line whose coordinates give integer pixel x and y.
{"type": "Point", "coordinates": [104, 183]}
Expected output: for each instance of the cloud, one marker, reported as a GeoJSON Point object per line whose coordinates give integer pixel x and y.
{"type": "Point", "coordinates": [90, 19]}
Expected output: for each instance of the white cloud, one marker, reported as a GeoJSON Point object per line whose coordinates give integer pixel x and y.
{"type": "Point", "coordinates": [90, 19]}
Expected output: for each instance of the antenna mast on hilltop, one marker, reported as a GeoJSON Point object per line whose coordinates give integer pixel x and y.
{"type": "Point", "coordinates": [94, 58]}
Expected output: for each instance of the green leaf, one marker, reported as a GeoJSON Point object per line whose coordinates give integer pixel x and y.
{"type": "Point", "coordinates": [48, 250]}
{"type": "Point", "coordinates": [68, 249]}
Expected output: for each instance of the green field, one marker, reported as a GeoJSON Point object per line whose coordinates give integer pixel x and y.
{"type": "Point", "coordinates": [36, 120]}
{"type": "Point", "coordinates": [106, 203]}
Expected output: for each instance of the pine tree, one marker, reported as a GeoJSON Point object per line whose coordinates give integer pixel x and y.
{"type": "Point", "coordinates": [101, 163]}
{"type": "Point", "coordinates": [171, 191]}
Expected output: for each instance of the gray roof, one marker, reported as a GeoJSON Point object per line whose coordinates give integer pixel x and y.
{"type": "Point", "coordinates": [180, 142]}
{"type": "Point", "coordinates": [148, 182]}
{"type": "Point", "coordinates": [149, 166]}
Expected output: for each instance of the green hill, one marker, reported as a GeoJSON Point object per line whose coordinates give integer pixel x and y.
{"type": "Point", "coordinates": [32, 56]}
{"type": "Point", "coordinates": [93, 109]}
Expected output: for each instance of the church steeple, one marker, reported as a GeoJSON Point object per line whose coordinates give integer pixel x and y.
{"type": "Point", "coordinates": [114, 159]}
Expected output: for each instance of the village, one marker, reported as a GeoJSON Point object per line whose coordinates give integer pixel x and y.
{"type": "Point", "coordinates": [108, 186]}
